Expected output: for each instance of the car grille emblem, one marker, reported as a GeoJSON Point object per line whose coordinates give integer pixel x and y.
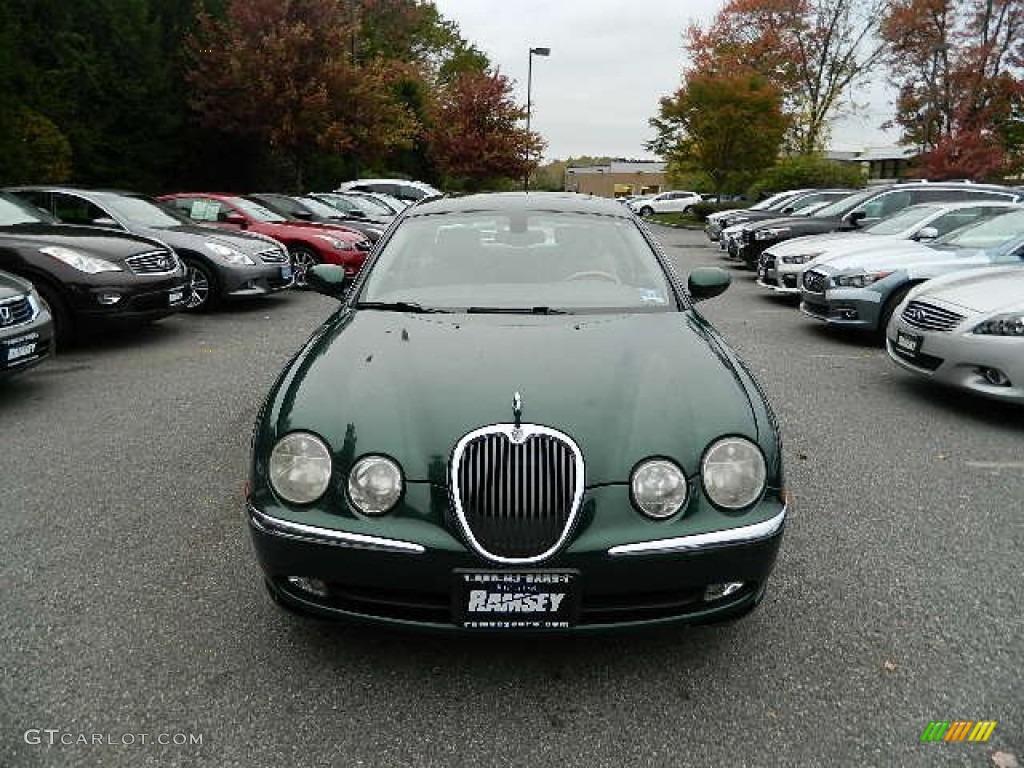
{"type": "Point", "coordinates": [163, 263]}
{"type": "Point", "coordinates": [6, 315]}
{"type": "Point", "coordinates": [915, 314]}
{"type": "Point", "coordinates": [517, 413]}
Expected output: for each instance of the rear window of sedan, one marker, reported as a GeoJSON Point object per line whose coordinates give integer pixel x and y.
{"type": "Point", "coordinates": [520, 260]}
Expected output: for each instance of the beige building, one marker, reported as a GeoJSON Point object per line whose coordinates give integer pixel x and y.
{"type": "Point", "coordinates": [617, 179]}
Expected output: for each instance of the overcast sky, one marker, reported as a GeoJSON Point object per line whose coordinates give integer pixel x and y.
{"type": "Point", "coordinates": [611, 60]}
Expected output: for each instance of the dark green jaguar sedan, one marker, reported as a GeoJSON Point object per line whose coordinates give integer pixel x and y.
{"type": "Point", "coordinates": [517, 421]}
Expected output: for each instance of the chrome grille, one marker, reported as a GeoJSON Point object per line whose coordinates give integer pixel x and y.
{"type": "Point", "coordinates": [929, 317]}
{"type": "Point", "coordinates": [15, 311]}
{"type": "Point", "coordinates": [815, 282]}
{"type": "Point", "coordinates": [152, 263]}
{"type": "Point", "coordinates": [516, 491]}
{"type": "Point", "coordinates": [273, 256]}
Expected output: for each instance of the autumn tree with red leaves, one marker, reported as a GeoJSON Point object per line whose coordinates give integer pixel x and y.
{"type": "Point", "coordinates": [474, 136]}
{"type": "Point", "coordinates": [958, 66]}
{"type": "Point", "coordinates": [814, 51]}
{"type": "Point", "coordinates": [282, 71]}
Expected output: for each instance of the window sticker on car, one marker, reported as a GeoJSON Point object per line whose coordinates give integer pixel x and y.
{"type": "Point", "coordinates": [203, 210]}
{"type": "Point", "coordinates": [651, 296]}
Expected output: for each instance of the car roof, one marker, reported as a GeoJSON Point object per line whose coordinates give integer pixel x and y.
{"type": "Point", "coordinates": [558, 202]}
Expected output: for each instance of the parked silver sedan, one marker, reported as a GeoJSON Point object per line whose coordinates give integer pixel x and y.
{"type": "Point", "coordinates": [965, 330]}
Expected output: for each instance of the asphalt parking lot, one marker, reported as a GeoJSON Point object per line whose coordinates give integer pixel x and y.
{"type": "Point", "coordinates": [133, 606]}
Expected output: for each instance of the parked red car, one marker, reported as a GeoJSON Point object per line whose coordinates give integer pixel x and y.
{"type": "Point", "coordinates": [307, 242]}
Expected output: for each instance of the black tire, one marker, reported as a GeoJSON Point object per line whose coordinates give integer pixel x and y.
{"type": "Point", "coordinates": [687, 210]}
{"type": "Point", "coordinates": [200, 286]}
{"type": "Point", "coordinates": [64, 330]}
{"type": "Point", "coordinates": [303, 258]}
{"type": "Point", "coordinates": [646, 211]}
{"type": "Point", "coordinates": [889, 308]}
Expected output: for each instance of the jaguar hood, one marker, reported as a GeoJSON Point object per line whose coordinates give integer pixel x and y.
{"type": "Point", "coordinates": [624, 387]}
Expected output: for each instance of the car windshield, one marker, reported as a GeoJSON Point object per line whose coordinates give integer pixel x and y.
{"type": "Point", "coordinates": [988, 234]}
{"type": "Point", "coordinates": [142, 212]}
{"type": "Point", "coordinates": [372, 205]}
{"type": "Point", "coordinates": [771, 202]}
{"type": "Point", "coordinates": [319, 208]}
{"type": "Point", "coordinates": [257, 211]}
{"type": "Point", "coordinates": [848, 203]}
{"type": "Point", "coordinates": [903, 220]}
{"type": "Point", "coordinates": [15, 211]}
{"type": "Point", "coordinates": [530, 262]}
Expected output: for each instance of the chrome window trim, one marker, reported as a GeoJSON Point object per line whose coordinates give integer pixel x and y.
{"type": "Point", "coordinates": [523, 433]}
{"type": "Point", "coordinates": [317, 535]}
{"type": "Point", "coordinates": [744, 535]}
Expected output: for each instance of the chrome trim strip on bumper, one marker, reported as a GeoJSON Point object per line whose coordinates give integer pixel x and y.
{"type": "Point", "coordinates": [317, 535]}
{"type": "Point", "coordinates": [745, 535]}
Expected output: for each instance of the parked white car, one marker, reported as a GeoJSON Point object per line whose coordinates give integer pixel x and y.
{"type": "Point", "coordinates": [779, 267]}
{"type": "Point", "coordinates": [403, 189]}
{"type": "Point", "coordinates": [676, 201]}
{"type": "Point", "coordinates": [965, 330]}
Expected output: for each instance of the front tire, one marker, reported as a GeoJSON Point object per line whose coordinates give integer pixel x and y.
{"type": "Point", "coordinates": [303, 259]}
{"type": "Point", "coordinates": [201, 286]}
{"type": "Point", "coordinates": [63, 329]}
{"type": "Point", "coordinates": [888, 309]}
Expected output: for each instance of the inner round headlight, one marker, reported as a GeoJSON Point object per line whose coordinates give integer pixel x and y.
{"type": "Point", "coordinates": [659, 488]}
{"type": "Point", "coordinates": [733, 472]}
{"type": "Point", "coordinates": [300, 467]}
{"type": "Point", "coordinates": [375, 485]}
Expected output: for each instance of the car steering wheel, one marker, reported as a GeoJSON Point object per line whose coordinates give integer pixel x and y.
{"type": "Point", "coordinates": [592, 273]}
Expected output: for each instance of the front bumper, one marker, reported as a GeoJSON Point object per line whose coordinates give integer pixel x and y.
{"type": "Point", "coordinates": [960, 358]}
{"type": "Point", "coordinates": [402, 582]}
{"type": "Point", "coordinates": [858, 308]}
{"type": "Point", "coordinates": [784, 278]}
{"type": "Point", "coordinates": [27, 344]}
{"type": "Point", "coordinates": [139, 299]}
{"type": "Point", "coordinates": [259, 280]}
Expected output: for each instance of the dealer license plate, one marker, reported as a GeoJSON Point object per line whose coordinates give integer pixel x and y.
{"type": "Point", "coordinates": [286, 272]}
{"type": "Point", "coordinates": [515, 600]}
{"type": "Point", "coordinates": [908, 342]}
{"type": "Point", "coordinates": [175, 297]}
{"type": "Point", "coordinates": [16, 353]}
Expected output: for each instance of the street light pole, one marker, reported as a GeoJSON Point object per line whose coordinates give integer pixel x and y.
{"type": "Point", "coordinates": [529, 106]}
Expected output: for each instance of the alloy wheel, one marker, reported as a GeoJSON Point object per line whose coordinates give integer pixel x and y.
{"type": "Point", "coordinates": [198, 286]}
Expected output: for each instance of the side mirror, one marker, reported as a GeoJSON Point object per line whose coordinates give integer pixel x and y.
{"type": "Point", "coordinates": [707, 282]}
{"type": "Point", "coordinates": [357, 214]}
{"type": "Point", "coordinates": [856, 217]}
{"type": "Point", "coordinates": [236, 219]}
{"type": "Point", "coordinates": [330, 280]}
{"type": "Point", "coordinates": [303, 215]}
{"type": "Point", "coordinates": [788, 209]}
{"type": "Point", "coordinates": [105, 221]}
{"type": "Point", "coordinates": [926, 233]}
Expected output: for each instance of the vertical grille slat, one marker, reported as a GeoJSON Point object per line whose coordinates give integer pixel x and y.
{"type": "Point", "coordinates": [517, 499]}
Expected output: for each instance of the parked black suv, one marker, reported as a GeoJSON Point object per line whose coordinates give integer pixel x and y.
{"type": "Point", "coordinates": [87, 274]}
{"type": "Point", "coordinates": [863, 209]}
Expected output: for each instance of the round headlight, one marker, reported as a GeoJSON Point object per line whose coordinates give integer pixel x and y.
{"type": "Point", "coordinates": [300, 467]}
{"type": "Point", "coordinates": [375, 485]}
{"type": "Point", "coordinates": [733, 472]}
{"type": "Point", "coordinates": [659, 488]}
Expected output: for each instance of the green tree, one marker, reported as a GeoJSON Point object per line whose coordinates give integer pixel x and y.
{"type": "Point", "coordinates": [806, 171]}
{"type": "Point", "coordinates": [728, 127]}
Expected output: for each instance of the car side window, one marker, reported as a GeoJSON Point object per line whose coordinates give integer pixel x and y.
{"type": "Point", "coordinates": [960, 218]}
{"type": "Point", "coordinates": [886, 204]}
{"type": "Point", "coordinates": [37, 197]}
{"type": "Point", "coordinates": [72, 209]}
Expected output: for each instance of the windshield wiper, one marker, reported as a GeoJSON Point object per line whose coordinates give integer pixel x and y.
{"type": "Point", "coordinates": [515, 311]}
{"type": "Point", "coordinates": [398, 306]}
